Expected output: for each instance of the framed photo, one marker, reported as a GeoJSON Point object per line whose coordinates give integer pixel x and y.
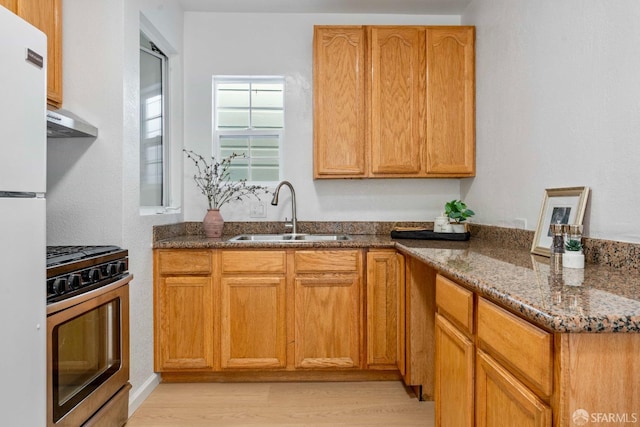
{"type": "Point", "coordinates": [560, 206]}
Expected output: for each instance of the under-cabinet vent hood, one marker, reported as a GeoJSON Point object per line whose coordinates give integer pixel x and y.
{"type": "Point", "coordinates": [63, 124]}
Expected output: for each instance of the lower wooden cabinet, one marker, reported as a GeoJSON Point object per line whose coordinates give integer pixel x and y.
{"type": "Point", "coordinates": [327, 313]}
{"type": "Point", "coordinates": [184, 323]}
{"type": "Point", "coordinates": [419, 318]}
{"type": "Point", "coordinates": [234, 310]}
{"type": "Point", "coordinates": [502, 400]}
{"type": "Point", "coordinates": [253, 322]}
{"type": "Point", "coordinates": [492, 368]}
{"type": "Point", "coordinates": [385, 292]}
{"type": "Point", "coordinates": [252, 309]}
{"type": "Point", "coordinates": [454, 395]}
{"type": "Point", "coordinates": [328, 309]}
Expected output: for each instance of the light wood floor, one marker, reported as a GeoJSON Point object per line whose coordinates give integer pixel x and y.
{"type": "Point", "coordinates": [384, 403]}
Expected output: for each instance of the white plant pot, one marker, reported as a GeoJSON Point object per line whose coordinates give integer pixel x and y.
{"type": "Point", "coordinates": [572, 259]}
{"type": "Point", "coordinates": [458, 228]}
{"type": "Point", "coordinates": [441, 224]}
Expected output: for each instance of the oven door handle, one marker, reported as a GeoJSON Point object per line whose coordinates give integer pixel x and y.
{"type": "Point", "coordinates": [79, 299]}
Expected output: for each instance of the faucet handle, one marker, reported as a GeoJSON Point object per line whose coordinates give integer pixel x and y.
{"type": "Point", "coordinates": [288, 224]}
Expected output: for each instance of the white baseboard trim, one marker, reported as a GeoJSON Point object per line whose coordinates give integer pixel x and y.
{"type": "Point", "coordinates": [141, 393]}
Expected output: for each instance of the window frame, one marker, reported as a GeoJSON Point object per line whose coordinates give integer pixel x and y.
{"type": "Point", "coordinates": [248, 132]}
{"type": "Point", "coordinates": [172, 141]}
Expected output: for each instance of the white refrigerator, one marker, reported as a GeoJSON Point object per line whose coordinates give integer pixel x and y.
{"type": "Point", "coordinates": [23, 342]}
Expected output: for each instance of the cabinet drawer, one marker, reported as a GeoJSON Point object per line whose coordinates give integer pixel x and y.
{"type": "Point", "coordinates": [522, 347]}
{"type": "Point", "coordinates": [253, 262]}
{"type": "Point", "coordinates": [184, 261]}
{"type": "Point", "coordinates": [327, 261]}
{"type": "Point", "coordinates": [455, 303]}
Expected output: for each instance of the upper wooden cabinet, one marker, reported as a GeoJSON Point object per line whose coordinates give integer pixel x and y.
{"type": "Point", "coordinates": [46, 15]}
{"type": "Point", "coordinates": [10, 4]}
{"type": "Point", "coordinates": [450, 120]}
{"type": "Point", "coordinates": [407, 111]}
{"type": "Point", "coordinates": [398, 76]}
{"type": "Point", "coordinates": [339, 97]}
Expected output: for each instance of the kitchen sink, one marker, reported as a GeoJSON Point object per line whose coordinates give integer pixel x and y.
{"type": "Point", "coordinates": [289, 237]}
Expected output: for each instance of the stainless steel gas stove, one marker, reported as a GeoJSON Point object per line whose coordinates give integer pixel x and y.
{"type": "Point", "coordinates": [88, 336]}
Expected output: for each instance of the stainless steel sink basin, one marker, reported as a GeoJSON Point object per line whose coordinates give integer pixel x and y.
{"type": "Point", "coordinates": [291, 238]}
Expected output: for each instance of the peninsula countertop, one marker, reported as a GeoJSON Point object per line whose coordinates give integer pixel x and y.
{"type": "Point", "coordinates": [597, 299]}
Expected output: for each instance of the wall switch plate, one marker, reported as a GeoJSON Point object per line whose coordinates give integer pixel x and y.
{"type": "Point", "coordinates": [258, 209]}
{"type": "Point", "coordinates": [520, 223]}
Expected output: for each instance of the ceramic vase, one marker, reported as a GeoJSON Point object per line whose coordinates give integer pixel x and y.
{"type": "Point", "coordinates": [213, 223]}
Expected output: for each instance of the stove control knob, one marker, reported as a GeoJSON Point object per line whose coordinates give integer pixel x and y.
{"type": "Point", "coordinates": [59, 286]}
{"type": "Point", "coordinates": [122, 267]}
{"type": "Point", "coordinates": [112, 269]}
{"type": "Point", "coordinates": [75, 281]}
{"type": "Point", "coordinates": [94, 275]}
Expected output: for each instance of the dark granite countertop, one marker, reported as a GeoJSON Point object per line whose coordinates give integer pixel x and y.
{"type": "Point", "coordinates": [599, 298]}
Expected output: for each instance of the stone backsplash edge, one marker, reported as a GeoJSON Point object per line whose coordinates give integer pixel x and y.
{"type": "Point", "coordinates": [597, 251]}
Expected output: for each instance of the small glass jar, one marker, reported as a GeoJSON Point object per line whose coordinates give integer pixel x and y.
{"type": "Point", "coordinates": [573, 238]}
{"type": "Point", "coordinates": [557, 238]}
{"type": "Point", "coordinates": [557, 247]}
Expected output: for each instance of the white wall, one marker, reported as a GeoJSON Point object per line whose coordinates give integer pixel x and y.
{"type": "Point", "coordinates": [558, 104]}
{"type": "Point", "coordinates": [93, 185]}
{"type": "Point", "coordinates": [281, 44]}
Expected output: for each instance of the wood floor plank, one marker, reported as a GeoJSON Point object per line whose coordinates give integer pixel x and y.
{"type": "Point", "coordinates": [386, 403]}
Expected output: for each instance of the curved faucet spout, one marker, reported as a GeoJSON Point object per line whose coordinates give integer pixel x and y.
{"type": "Point", "coordinates": [274, 202]}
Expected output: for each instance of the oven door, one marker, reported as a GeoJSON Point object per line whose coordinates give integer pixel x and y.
{"type": "Point", "coordinates": [88, 352]}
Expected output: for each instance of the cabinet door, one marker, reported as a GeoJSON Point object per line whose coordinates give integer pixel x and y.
{"type": "Point", "coordinates": [502, 400]}
{"type": "Point", "coordinates": [184, 323]}
{"type": "Point", "coordinates": [327, 321]}
{"type": "Point", "coordinates": [253, 324]}
{"type": "Point", "coordinates": [12, 5]}
{"type": "Point", "coordinates": [339, 102]}
{"type": "Point", "coordinates": [397, 100]}
{"type": "Point", "coordinates": [450, 101]}
{"type": "Point", "coordinates": [385, 275]}
{"type": "Point", "coordinates": [46, 15]}
{"type": "Point", "coordinates": [454, 376]}
{"type": "Point", "coordinates": [419, 368]}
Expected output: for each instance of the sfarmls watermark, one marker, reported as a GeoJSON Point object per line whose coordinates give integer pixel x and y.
{"type": "Point", "coordinates": [581, 417]}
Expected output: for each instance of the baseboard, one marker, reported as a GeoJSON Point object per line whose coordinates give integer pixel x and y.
{"type": "Point", "coordinates": [139, 395]}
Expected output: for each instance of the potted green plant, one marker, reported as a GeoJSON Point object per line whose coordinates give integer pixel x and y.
{"type": "Point", "coordinates": [213, 178]}
{"type": "Point", "coordinates": [457, 212]}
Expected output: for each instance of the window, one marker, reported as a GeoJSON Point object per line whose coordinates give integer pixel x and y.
{"type": "Point", "coordinates": [249, 119]}
{"type": "Point", "coordinates": [153, 135]}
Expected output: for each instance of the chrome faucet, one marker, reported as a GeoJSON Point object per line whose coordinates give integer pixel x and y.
{"type": "Point", "coordinates": [274, 202]}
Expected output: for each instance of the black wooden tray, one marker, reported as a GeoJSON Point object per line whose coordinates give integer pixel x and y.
{"type": "Point", "coordinates": [429, 235]}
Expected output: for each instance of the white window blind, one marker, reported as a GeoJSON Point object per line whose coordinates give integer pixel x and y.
{"type": "Point", "coordinates": [249, 120]}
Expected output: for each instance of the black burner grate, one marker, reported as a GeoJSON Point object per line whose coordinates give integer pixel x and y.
{"type": "Point", "coordinates": [63, 254]}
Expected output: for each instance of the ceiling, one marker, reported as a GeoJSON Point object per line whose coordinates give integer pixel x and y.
{"type": "Point", "coordinates": [408, 7]}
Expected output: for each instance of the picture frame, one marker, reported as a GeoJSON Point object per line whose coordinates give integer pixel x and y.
{"type": "Point", "coordinates": [560, 205]}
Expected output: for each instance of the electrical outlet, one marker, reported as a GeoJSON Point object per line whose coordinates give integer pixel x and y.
{"type": "Point", "coordinates": [520, 223]}
{"type": "Point", "coordinates": [258, 210]}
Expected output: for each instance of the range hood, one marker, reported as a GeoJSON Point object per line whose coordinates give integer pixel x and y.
{"type": "Point", "coordinates": [63, 124]}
